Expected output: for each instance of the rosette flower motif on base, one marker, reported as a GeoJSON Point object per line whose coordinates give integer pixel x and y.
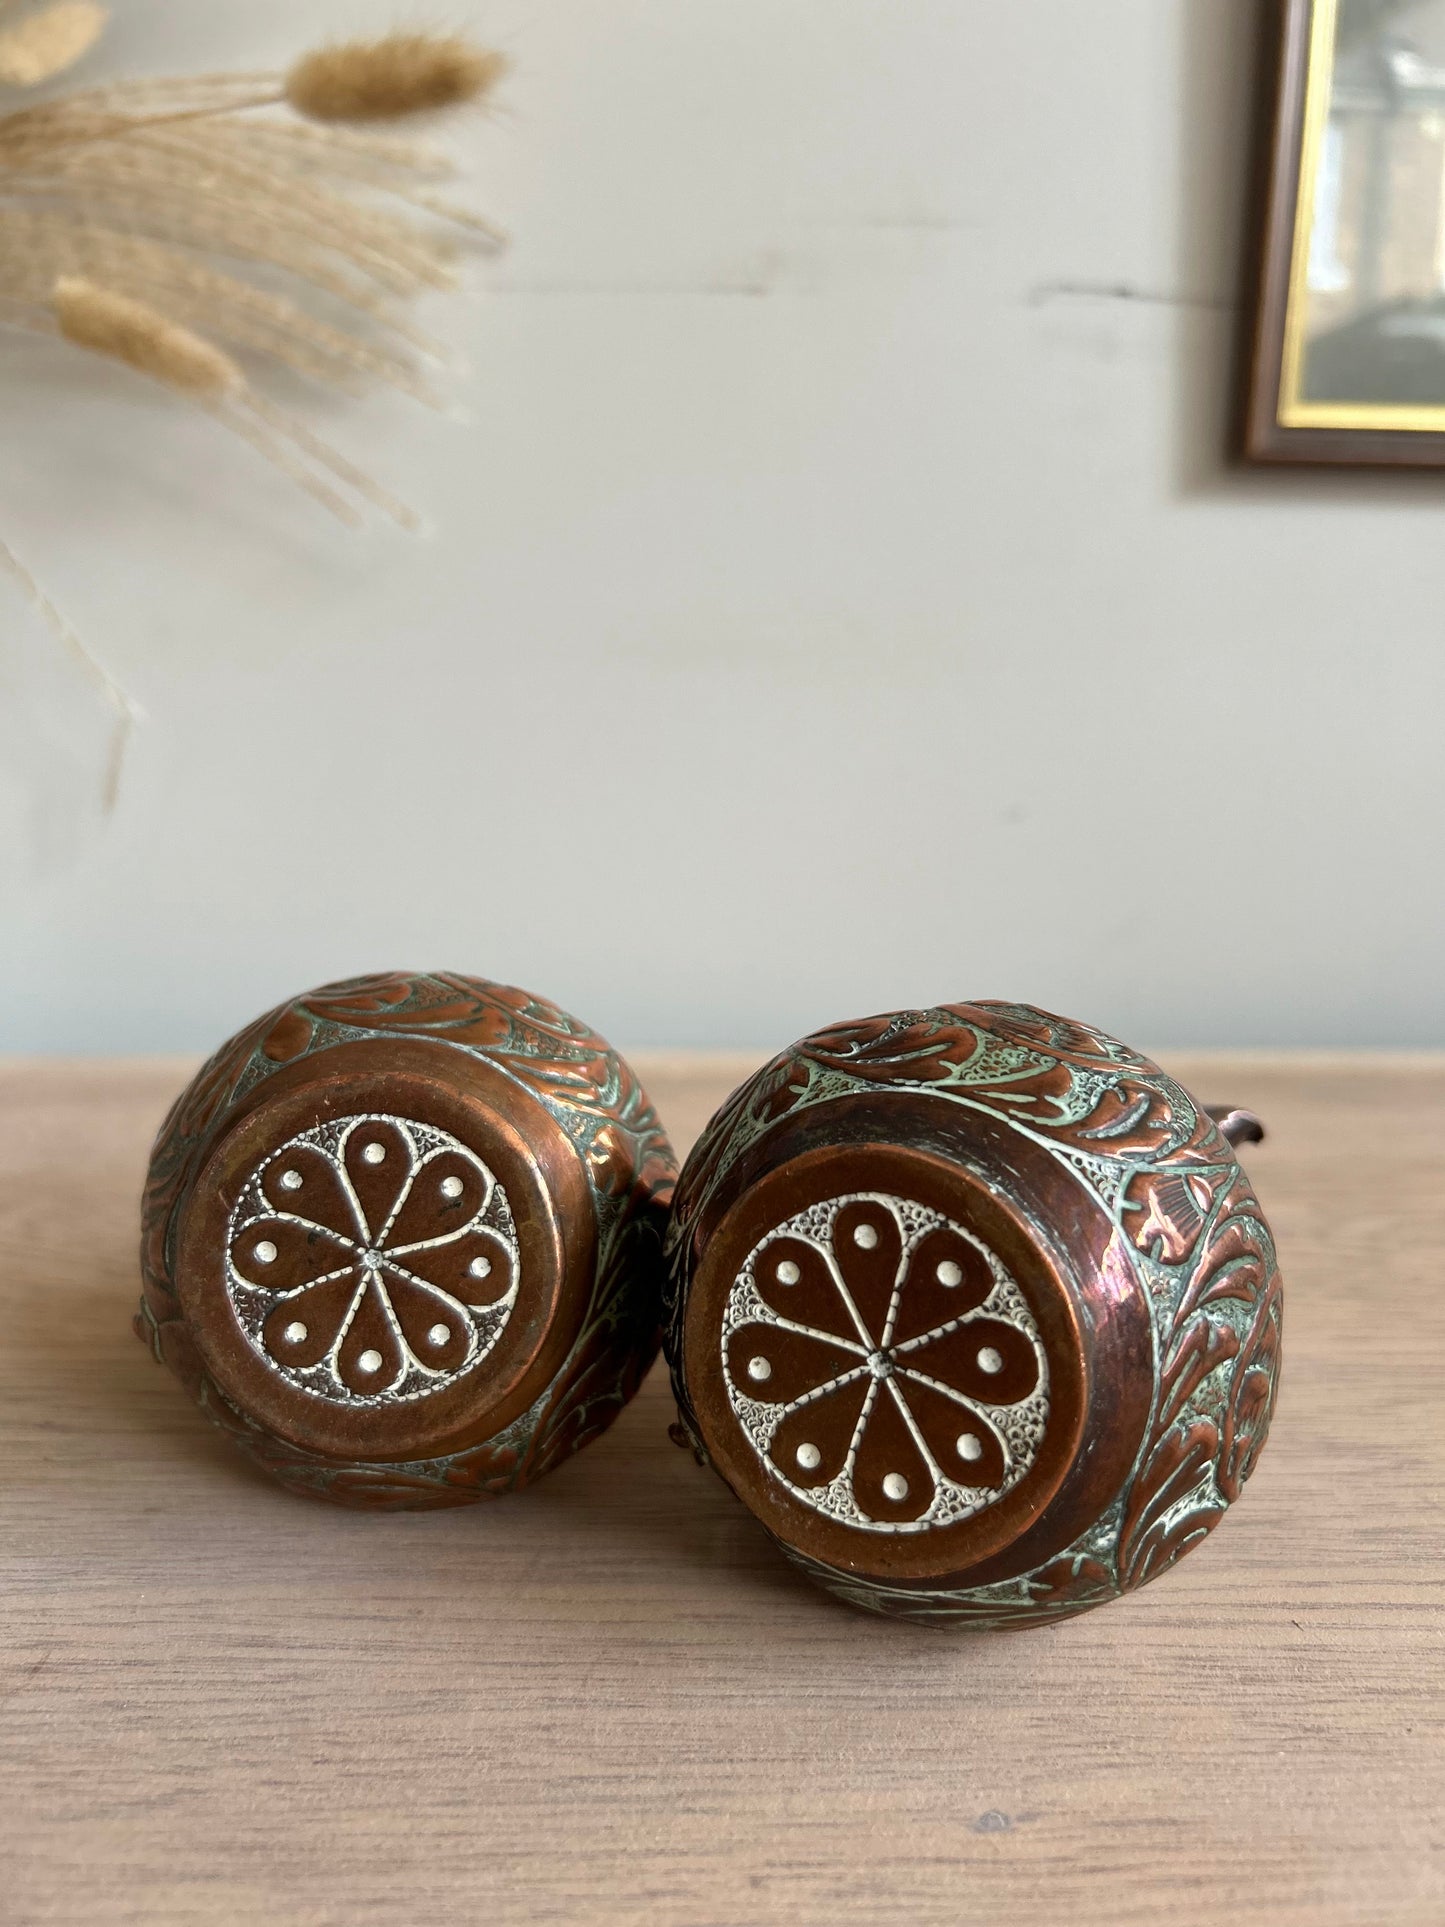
{"type": "Point", "coordinates": [884, 1365]}
{"type": "Point", "coordinates": [401, 1239]}
{"type": "Point", "coordinates": [372, 1258]}
{"type": "Point", "coordinates": [977, 1312]}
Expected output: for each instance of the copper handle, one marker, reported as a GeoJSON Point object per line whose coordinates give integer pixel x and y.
{"type": "Point", "coordinates": [1236, 1125]}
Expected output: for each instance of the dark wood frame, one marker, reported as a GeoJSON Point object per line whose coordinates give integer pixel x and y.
{"type": "Point", "coordinates": [1264, 437]}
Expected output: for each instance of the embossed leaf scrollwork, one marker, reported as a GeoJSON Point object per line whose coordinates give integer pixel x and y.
{"type": "Point", "coordinates": [1196, 1351]}
{"type": "Point", "coordinates": [611, 1359]}
{"type": "Point", "coordinates": [917, 1045]}
{"type": "Point", "coordinates": [1140, 1142]}
{"type": "Point", "coordinates": [1166, 1211]}
{"type": "Point", "coordinates": [1239, 1261]}
{"type": "Point", "coordinates": [609, 1118]}
{"type": "Point", "coordinates": [1069, 1585]}
{"type": "Point", "coordinates": [179, 1145]}
{"type": "Point", "coordinates": [1057, 1078]}
{"type": "Point", "coordinates": [1063, 1037]}
{"type": "Point", "coordinates": [1155, 1533]}
{"type": "Point", "coordinates": [1246, 1424]}
{"type": "Point", "coordinates": [780, 1087]}
{"type": "Point", "coordinates": [1231, 1263]}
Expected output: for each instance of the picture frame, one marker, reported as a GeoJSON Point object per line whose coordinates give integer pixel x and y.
{"type": "Point", "coordinates": [1346, 356]}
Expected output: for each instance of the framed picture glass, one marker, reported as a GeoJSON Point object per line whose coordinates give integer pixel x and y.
{"type": "Point", "coordinates": [1348, 361]}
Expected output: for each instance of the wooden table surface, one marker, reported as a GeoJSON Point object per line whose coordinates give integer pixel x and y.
{"type": "Point", "coordinates": [609, 1700]}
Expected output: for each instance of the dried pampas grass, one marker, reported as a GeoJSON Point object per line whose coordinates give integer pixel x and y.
{"type": "Point", "coordinates": [44, 44]}
{"type": "Point", "coordinates": [144, 339]}
{"type": "Point", "coordinates": [403, 73]}
{"type": "Point", "coordinates": [113, 324]}
{"type": "Point", "coordinates": [202, 231]}
{"type": "Point", "coordinates": [272, 237]}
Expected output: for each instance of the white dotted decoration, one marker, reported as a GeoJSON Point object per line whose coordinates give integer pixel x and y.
{"type": "Point", "coordinates": [870, 1357]}
{"type": "Point", "coordinates": [346, 1243]}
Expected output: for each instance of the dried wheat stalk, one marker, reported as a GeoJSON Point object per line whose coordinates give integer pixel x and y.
{"type": "Point", "coordinates": [201, 229]}
{"type": "Point", "coordinates": [43, 44]}
{"type": "Point", "coordinates": [171, 195]}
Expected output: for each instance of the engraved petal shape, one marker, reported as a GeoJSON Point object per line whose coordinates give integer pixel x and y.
{"type": "Point", "coordinates": [947, 1277]}
{"type": "Point", "coordinates": [962, 1440]}
{"type": "Point", "coordinates": [867, 1246]}
{"type": "Point", "coordinates": [317, 1312]}
{"type": "Point", "coordinates": [397, 999]}
{"type": "Point", "coordinates": [810, 1446]}
{"type": "Point", "coordinates": [371, 1359]}
{"type": "Point", "coordinates": [354, 999]}
{"type": "Point", "coordinates": [796, 1362]}
{"type": "Point", "coordinates": [869, 1425]}
{"type": "Point", "coordinates": [892, 1481]}
{"type": "Point", "coordinates": [446, 1194]}
{"type": "Point", "coordinates": [793, 1279]}
{"type": "Point", "coordinates": [437, 1330]}
{"type": "Point", "coordinates": [304, 1183]}
{"type": "Point", "coordinates": [475, 1267]}
{"type": "Point", "coordinates": [343, 1312]}
{"type": "Point", "coordinates": [378, 1161]}
{"type": "Point", "coordinates": [985, 1359]}
{"type": "Point", "coordinates": [280, 1256]}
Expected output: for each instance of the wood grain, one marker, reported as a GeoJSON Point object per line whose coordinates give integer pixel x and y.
{"type": "Point", "coordinates": [608, 1700]}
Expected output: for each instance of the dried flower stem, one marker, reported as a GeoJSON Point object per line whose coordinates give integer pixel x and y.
{"type": "Point", "coordinates": [128, 712]}
{"type": "Point", "coordinates": [191, 227]}
{"type": "Point", "coordinates": [149, 342]}
{"type": "Point", "coordinates": [103, 186]}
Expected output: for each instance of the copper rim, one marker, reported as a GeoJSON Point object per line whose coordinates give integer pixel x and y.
{"type": "Point", "coordinates": [538, 1169]}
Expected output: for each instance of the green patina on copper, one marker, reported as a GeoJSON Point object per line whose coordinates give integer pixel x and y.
{"type": "Point", "coordinates": [584, 1085]}
{"type": "Point", "coordinates": [1186, 1215]}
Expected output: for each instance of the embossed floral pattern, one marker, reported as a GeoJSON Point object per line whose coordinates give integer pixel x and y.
{"type": "Point", "coordinates": [630, 1172]}
{"type": "Point", "coordinates": [372, 1258]}
{"type": "Point", "coordinates": [1192, 1233]}
{"type": "Point", "coordinates": [885, 1368]}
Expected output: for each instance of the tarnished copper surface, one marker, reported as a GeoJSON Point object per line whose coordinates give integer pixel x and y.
{"type": "Point", "coordinates": [1050, 1365]}
{"type": "Point", "coordinates": [402, 1239]}
{"type": "Point", "coordinates": [898, 1346]}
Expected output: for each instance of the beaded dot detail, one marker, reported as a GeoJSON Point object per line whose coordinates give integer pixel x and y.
{"type": "Point", "coordinates": [884, 1365]}
{"type": "Point", "coordinates": [372, 1260]}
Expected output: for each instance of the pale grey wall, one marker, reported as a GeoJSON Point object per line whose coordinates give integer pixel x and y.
{"type": "Point", "coordinates": [836, 598]}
